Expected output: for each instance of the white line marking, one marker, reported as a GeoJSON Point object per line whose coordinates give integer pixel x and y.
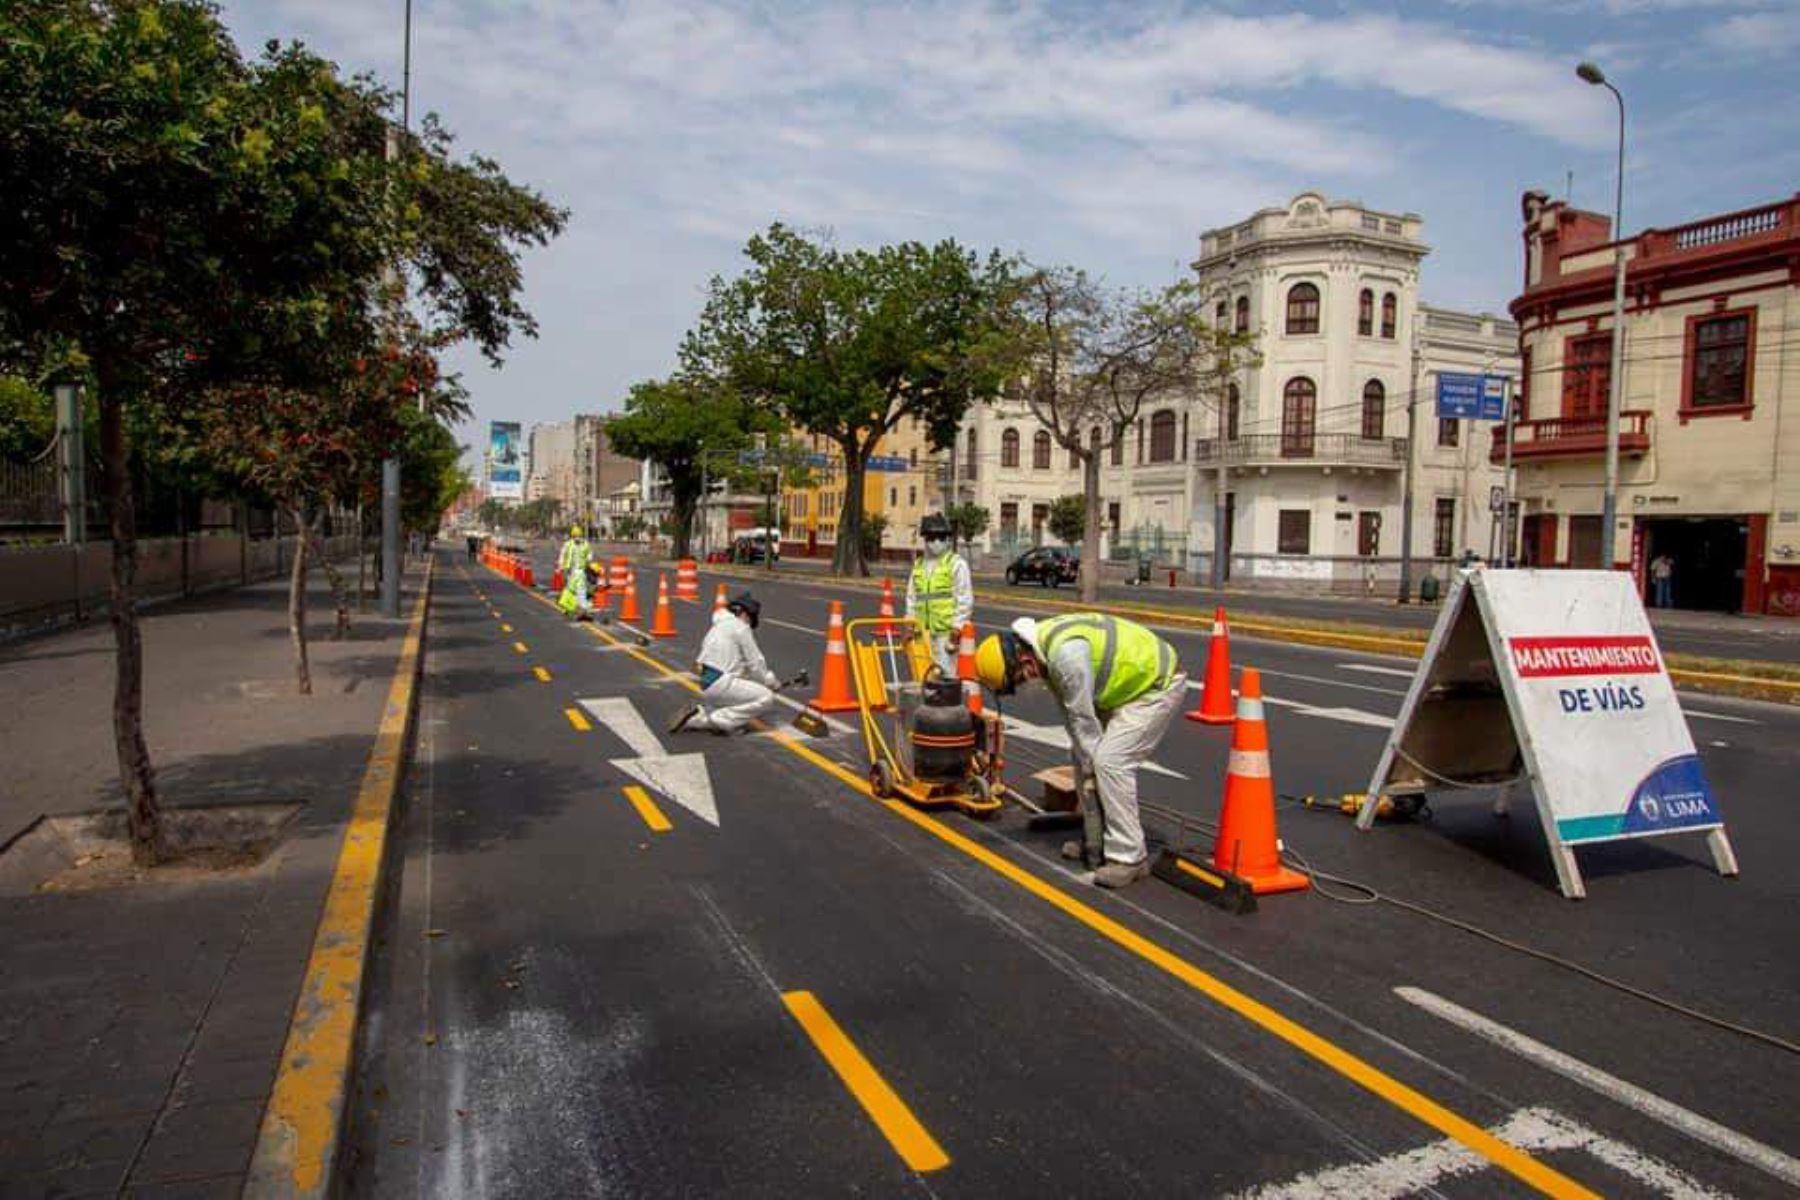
{"type": "Point", "coordinates": [621, 716]}
{"type": "Point", "coordinates": [1338, 683]}
{"type": "Point", "coordinates": [1534, 1129]}
{"type": "Point", "coordinates": [1372, 669]}
{"type": "Point", "coordinates": [1731, 1142]}
{"type": "Point", "coordinates": [812, 629]}
{"type": "Point", "coordinates": [680, 777]}
{"type": "Point", "coordinates": [1350, 716]}
{"type": "Point", "coordinates": [1710, 716]}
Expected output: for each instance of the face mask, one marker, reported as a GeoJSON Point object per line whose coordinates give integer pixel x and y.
{"type": "Point", "coordinates": [935, 546]}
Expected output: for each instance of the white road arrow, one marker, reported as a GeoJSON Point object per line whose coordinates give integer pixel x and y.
{"type": "Point", "coordinates": [682, 778]}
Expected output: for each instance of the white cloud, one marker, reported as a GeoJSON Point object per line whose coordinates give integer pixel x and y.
{"type": "Point", "coordinates": [1757, 34]}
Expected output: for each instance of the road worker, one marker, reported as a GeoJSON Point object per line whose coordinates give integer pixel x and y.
{"type": "Point", "coordinates": [736, 683]}
{"type": "Point", "coordinates": [572, 560]}
{"type": "Point", "coordinates": [939, 592]}
{"type": "Point", "coordinates": [1118, 685]}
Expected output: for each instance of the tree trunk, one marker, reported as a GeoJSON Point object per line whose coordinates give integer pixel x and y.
{"type": "Point", "coordinates": [847, 555]}
{"type": "Point", "coordinates": [297, 605]}
{"type": "Point", "coordinates": [1090, 536]}
{"type": "Point", "coordinates": [683, 512]}
{"type": "Point", "coordinates": [136, 776]}
{"type": "Point", "coordinates": [339, 595]}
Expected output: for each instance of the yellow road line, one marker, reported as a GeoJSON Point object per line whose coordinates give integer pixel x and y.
{"type": "Point", "coordinates": [504, 627]}
{"type": "Point", "coordinates": [577, 720]}
{"type": "Point", "coordinates": [303, 1127]}
{"type": "Point", "coordinates": [1502, 1154]}
{"type": "Point", "coordinates": [646, 808]}
{"type": "Point", "coordinates": [542, 674]}
{"type": "Point", "coordinates": [916, 1147]}
{"type": "Point", "coordinates": [521, 647]}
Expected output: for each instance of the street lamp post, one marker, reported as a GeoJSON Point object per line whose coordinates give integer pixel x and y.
{"type": "Point", "coordinates": [1615, 384]}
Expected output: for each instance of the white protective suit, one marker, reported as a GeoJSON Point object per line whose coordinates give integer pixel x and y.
{"type": "Point", "coordinates": [745, 688]}
{"type": "Point", "coordinates": [962, 597]}
{"type": "Point", "coordinates": [1112, 750]}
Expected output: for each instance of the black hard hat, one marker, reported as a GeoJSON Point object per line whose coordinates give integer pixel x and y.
{"type": "Point", "coordinates": [934, 525]}
{"type": "Point", "coordinates": [747, 604]}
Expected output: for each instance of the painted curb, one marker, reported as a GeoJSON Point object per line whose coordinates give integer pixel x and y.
{"type": "Point", "coordinates": [300, 1143]}
{"type": "Point", "coordinates": [1746, 687]}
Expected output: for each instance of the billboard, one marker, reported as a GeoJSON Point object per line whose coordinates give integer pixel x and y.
{"type": "Point", "coordinates": [506, 471]}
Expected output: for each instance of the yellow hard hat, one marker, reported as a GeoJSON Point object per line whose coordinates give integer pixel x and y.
{"type": "Point", "coordinates": [574, 531]}
{"type": "Point", "coordinates": [993, 665]}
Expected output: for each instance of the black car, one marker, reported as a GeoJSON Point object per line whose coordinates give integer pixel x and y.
{"type": "Point", "coordinates": [1047, 566]}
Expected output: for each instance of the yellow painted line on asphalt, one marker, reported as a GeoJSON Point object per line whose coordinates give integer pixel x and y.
{"type": "Point", "coordinates": [542, 673]}
{"type": "Point", "coordinates": [916, 1147]}
{"type": "Point", "coordinates": [521, 647]}
{"type": "Point", "coordinates": [504, 627]}
{"type": "Point", "coordinates": [646, 808]}
{"type": "Point", "coordinates": [577, 720]}
{"type": "Point", "coordinates": [304, 1125]}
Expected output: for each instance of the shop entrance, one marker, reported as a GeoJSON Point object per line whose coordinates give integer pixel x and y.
{"type": "Point", "coordinates": [1708, 554]}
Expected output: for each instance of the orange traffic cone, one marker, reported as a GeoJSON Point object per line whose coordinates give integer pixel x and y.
{"type": "Point", "coordinates": [1246, 845]}
{"type": "Point", "coordinates": [664, 624]}
{"type": "Point", "coordinates": [965, 668]}
{"type": "Point", "coordinates": [526, 575]}
{"type": "Point", "coordinates": [888, 627]}
{"type": "Point", "coordinates": [556, 580]}
{"type": "Point", "coordinates": [1215, 693]}
{"type": "Point", "coordinates": [834, 673]}
{"type": "Point", "coordinates": [621, 571]}
{"type": "Point", "coordinates": [628, 605]}
{"type": "Point", "coordinates": [719, 599]}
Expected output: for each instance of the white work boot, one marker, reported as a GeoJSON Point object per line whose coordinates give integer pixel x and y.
{"type": "Point", "coordinates": [1118, 874]}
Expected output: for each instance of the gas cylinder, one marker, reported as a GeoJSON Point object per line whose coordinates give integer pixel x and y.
{"type": "Point", "coordinates": [943, 734]}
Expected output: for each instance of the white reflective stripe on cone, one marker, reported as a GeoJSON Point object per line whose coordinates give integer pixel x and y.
{"type": "Point", "coordinates": [1248, 764]}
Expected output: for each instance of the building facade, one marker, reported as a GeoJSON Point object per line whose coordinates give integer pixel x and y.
{"type": "Point", "coordinates": [599, 471]}
{"type": "Point", "coordinates": [1709, 431]}
{"type": "Point", "coordinates": [550, 471]}
{"type": "Point", "coordinates": [902, 485]}
{"type": "Point", "coordinates": [1006, 462]}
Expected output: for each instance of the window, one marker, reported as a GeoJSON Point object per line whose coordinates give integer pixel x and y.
{"type": "Point", "coordinates": [1368, 534]}
{"type": "Point", "coordinates": [1718, 349]}
{"type": "Point", "coordinates": [1118, 448]}
{"type": "Point", "coordinates": [1299, 408]}
{"type": "Point", "coordinates": [1232, 405]}
{"type": "Point", "coordinates": [1221, 314]}
{"type": "Point", "coordinates": [1243, 315]}
{"type": "Point", "coordinates": [1443, 528]}
{"type": "Point", "coordinates": [970, 458]}
{"type": "Point", "coordinates": [1374, 411]}
{"type": "Point", "coordinates": [912, 456]}
{"type": "Point", "coordinates": [912, 497]}
{"type": "Point", "coordinates": [1009, 519]}
{"type": "Point", "coordinates": [1449, 431]}
{"type": "Point", "coordinates": [893, 497]}
{"type": "Point", "coordinates": [1040, 450]}
{"type": "Point", "coordinates": [1040, 516]}
{"type": "Point", "coordinates": [1302, 309]}
{"type": "Point", "coordinates": [1587, 373]}
{"type": "Point", "coordinates": [1390, 315]}
{"type": "Point", "coordinates": [1009, 448]}
{"type": "Point", "coordinates": [1112, 518]}
{"type": "Point", "coordinates": [1294, 531]}
{"type": "Point", "coordinates": [1162, 436]}
{"type": "Point", "coordinates": [1365, 313]}
{"type": "Point", "coordinates": [1184, 436]}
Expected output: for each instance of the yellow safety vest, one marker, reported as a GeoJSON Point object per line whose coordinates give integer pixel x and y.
{"type": "Point", "coordinates": [934, 593]}
{"type": "Point", "coordinates": [576, 554]}
{"type": "Point", "coordinates": [1128, 659]}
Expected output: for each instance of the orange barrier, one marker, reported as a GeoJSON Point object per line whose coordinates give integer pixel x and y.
{"type": "Point", "coordinates": [628, 603]}
{"type": "Point", "coordinates": [889, 627]}
{"type": "Point", "coordinates": [719, 599]}
{"type": "Point", "coordinates": [1215, 692]}
{"type": "Point", "coordinates": [663, 626]}
{"type": "Point", "coordinates": [965, 668]}
{"type": "Point", "coordinates": [835, 694]}
{"type": "Point", "coordinates": [1246, 846]}
{"type": "Point", "coordinates": [621, 570]}
{"type": "Point", "coordinates": [557, 581]}
{"type": "Point", "coordinates": [526, 575]}
{"type": "Point", "coordinates": [687, 581]}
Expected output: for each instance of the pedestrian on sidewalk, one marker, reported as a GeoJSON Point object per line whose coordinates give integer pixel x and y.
{"type": "Point", "coordinates": [736, 684]}
{"type": "Point", "coordinates": [1118, 685]}
{"type": "Point", "coordinates": [939, 593]}
{"type": "Point", "coordinates": [1662, 581]}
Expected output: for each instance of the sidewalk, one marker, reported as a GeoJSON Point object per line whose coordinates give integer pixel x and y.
{"type": "Point", "coordinates": [141, 1025]}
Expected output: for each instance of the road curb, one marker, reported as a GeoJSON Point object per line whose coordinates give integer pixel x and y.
{"type": "Point", "coordinates": [300, 1143]}
{"type": "Point", "coordinates": [1746, 687]}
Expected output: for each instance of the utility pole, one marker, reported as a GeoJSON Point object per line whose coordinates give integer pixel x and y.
{"type": "Point", "coordinates": [1406, 491]}
{"type": "Point", "coordinates": [72, 456]}
{"type": "Point", "coordinates": [390, 466]}
{"type": "Point", "coordinates": [1609, 510]}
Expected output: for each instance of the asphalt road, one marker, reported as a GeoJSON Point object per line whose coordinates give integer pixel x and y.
{"type": "Point", "coordinates": [570, 1002]}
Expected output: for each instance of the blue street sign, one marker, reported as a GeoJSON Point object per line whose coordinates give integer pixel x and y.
{"type": "Point", "coordinates": [885, 462]}
{"type": "Point", "coordinates": [1474, 397]}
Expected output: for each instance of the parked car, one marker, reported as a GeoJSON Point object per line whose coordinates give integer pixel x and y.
{"type": "Point", "coordinates": [753, 548]}
{"type": "Point", "coordinates": [1046, 566]}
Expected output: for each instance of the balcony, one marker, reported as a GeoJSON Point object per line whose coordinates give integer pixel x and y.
{"type": "Point", "coordinates": [1564, 437]}
{"type": "Point", "coordinates": [1320, 449]}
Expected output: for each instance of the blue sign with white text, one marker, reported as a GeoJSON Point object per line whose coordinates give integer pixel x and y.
{"type": "Point", "coordinates": [1472, 397]}
{"type": "Point", "coordinates": [884, 462]}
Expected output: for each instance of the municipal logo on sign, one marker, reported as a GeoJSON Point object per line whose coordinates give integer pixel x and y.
{"type": "Point", "coordinates": [1535, 657]}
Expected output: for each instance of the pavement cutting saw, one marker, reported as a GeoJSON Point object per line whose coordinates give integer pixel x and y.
{"type": "Point", "coordinates": [925, 745]}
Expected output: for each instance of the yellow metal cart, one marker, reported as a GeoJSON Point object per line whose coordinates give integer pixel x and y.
{"type": "Point", "coordinates": [920, 749]}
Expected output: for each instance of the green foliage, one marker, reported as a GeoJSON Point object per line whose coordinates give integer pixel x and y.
{"type": "Point", "coordinates": [847, 344]}
{"type": "Point", "coordinates": [874, 528]}
{"type": "Point", "coordinates": [967, 521]}
{"type": "Point", "coordinates": [628, 527]}
{"type": "Point", "coordinates": [27, 419]}
{"type": "Point", "coordinates": [688, 427]}
{"type": "Point", "coordinates": [1068, 518]}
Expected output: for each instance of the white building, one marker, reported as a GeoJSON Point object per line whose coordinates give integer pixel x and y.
{"type": "Point", "coordinates": [550, 463]}
{"type": "Point", "coordinates": [1006, 462]}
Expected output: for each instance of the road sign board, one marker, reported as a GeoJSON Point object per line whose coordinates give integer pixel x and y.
{"type": "Point", "coordinates": [1473, 397]}
{"type": "Point", "coordinates": [887, 462]}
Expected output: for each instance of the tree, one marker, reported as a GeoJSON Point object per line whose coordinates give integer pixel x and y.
{"type": "Point", "coordinates": [691, 428]}
{"type": "Point", "coordinates": [27, 419]}
{"type": "Point", "coordinates": [874, 528]}
{"type": "Point", "coordinates": [847, 344]}
{"type": "Point", "coordinates": [967, 522]}
{"type": "Point", "coordinates": [1068, 518]}
{"type": "Point", "coordinates": [628, 527]}
{"type": "Point", "coordinates": [191, 221]}
{"type": "Point", "coordinates": [1092, 360]}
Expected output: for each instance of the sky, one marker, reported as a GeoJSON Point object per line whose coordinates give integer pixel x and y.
{"type": "Point", "coordinates": [1106, 135]}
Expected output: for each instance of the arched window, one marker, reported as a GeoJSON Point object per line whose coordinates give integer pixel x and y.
{"type": "Point", "coordinates": [1162, 436]}
{"type": "Point", "coordinates": [1302, 309]}
{"type": "Point", "coordinates": [1374, 412]}
{"type": "Point", "coordinates": [912, 457]}
{"type": "Point", "coordinates": [972, 456]}
{"type": "Point", "coordinates": [1299, 410]}
{"type": "Point", "coordinates": [1365, 313]}
{"type": "Point", "coordinates": [1009, 448]}
{"type": "Point", "coordinates": [1220, 314]}
{"type": "Point", "coordinates": [1232, 405]}
{"type": "Point", "coordinates": [1118, 448]}
{"type": "Point", "coordinates": [1390, 315]}
{"type": "Point", "coordinates": [1243, 315]}
{"type": "Point", "coordinates": [1040, 450]}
